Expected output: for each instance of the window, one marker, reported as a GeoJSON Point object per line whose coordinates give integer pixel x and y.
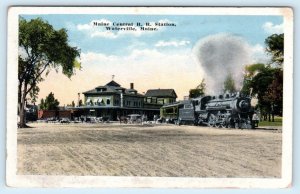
{"type": "Point", "coordinates": [154, 100]}
{"type": "Point", "coordinates": [169, 110]}
{"type": "Point", "coordinates": [108, 101]}
{"type": "Point", "coordinates": [101, 89]}
{"type": "Point", "coordinates": [149, 100]}
{"type": "Point", "coordinates": [160, 101]}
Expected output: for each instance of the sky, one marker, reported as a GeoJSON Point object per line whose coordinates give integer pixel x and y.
{"type": "Point", "coordinates": [177, 56]}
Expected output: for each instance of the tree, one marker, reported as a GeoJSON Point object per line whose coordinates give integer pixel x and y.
{"type": "Point", "coordinates": [41, 48]}
{"type": "Point", "coordinates": [266, 81]}
{"type": "Point", "coordinates": [250, 72]}
{"type": "Point", "coordinates": [80, 103]}
{"type": "Point", "coordinates": [267, 86]}
{"type": "Point", "coordinates": [42, 104]}
{"type": "Point", "coordinates": [274, 93]}
{"type": "Point", "coordinates": [229, 85]}
{"type": "Point", "coordinates": [275, 47]}
{"type": "Point", "coordinates": [50, 103]}
{"type": "Point", "coordinates": [198, 91]}
{"type": "Point", "coordinates": [260, 84]}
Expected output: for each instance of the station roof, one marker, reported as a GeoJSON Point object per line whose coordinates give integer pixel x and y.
{"type": "Point", "coordinates": [113, 87]}
{"type": "Point", "coordinates": [161, 93]}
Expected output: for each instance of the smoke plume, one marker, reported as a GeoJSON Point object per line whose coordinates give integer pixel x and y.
{"type": "Point", "coordinates": [222, 55]}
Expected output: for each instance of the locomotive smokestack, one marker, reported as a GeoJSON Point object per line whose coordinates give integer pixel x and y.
{"type": "Point", "coordinates": [131, 86]}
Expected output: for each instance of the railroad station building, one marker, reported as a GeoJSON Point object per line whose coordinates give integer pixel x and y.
{"type": "Point", "coordinates": [113, 101]}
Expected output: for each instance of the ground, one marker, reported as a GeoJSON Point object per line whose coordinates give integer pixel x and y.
{"type": "Point", "coordinates": [147, 150]}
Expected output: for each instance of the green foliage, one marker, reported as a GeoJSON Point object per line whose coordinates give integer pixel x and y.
{"type": "Point", "coordinates": [42, 104]}
{"type": "Point", "coordinates": [73, 103]}
{"type": "Point", "coordinates": [266, 81]}
{"type": "Point", "coordinates": [46, 47]}
{"type": "Point", "coordinates": [80, 103]}
{"type": "Point", "coordinates": [250, 72]}
{"type": "Point", "coordinates": [274, 93]}
{"type": "Point", "coordinates": [42, 48]}
{"type": "Point", "coordinates": [33, 94]}
{"type": "Point", "coordinates": [77, 64]}
{"type": "Point", "coordinates": [261, 81]}
{"type": "Point", "coordinates": [198, 91]}
{"type": "Point", "coordinates": [266, 84]}
{"type": "Point", "coordinates": [229, 85]}
{"type": "Point", "coordinates": [275, 47]}
{"type": "Point", "coordinates": [50, 103]}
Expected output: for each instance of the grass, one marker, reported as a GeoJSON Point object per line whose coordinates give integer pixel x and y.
{"type": "Point", "coordinates": [277, 122]}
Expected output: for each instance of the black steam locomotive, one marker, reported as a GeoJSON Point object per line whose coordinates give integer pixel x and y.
{"type": "Point", "coordinates": [229, 110]}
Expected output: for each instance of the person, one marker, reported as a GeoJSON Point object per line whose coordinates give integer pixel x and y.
{"type": "Point", "coordinates": [155, 117]}
{"type": "Point", "coordinates": [119, 119]}
{"type": "Point", "coordinates": [255, 119]}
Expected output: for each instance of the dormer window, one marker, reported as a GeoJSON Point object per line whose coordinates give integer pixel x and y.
{"type": "Point", "coordinates": [101, 89]}
{"type": "Point", "coordinates": [121, 90]}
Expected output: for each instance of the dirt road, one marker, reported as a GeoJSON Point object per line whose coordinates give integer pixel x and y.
{"type": "Point", "coordinates": [149, 150]}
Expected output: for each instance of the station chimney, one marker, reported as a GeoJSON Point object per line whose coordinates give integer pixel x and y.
{"type": "Point", "coordinates": [131, 86]}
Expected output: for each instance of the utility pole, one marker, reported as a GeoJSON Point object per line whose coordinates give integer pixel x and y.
{"type": "Point", "coordinates": [78, 98]}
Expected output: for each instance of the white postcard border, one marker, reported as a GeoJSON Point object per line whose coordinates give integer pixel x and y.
{"type": "Point", "coordinates": [15, 180]}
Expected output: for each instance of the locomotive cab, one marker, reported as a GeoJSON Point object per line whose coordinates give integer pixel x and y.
{"type": "Point", "coordinates": [200, 109]}
{"type": "Point", "coordinates": [189, 112]}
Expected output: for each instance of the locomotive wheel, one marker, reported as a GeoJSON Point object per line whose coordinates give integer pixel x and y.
{"type": "Point", "coordinates": [179, 122]}
{"type": "Point", "coordinates": [229, 123]}
{"type": "Point", "coordinates": [220, 125]}
{"type": "Point", "coordinates": [223, 124]}
{"type": "Point", "coordinates": [211, 121]}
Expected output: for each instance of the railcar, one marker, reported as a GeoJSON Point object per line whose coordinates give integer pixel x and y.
{"type": "Point", "coordinates": [169, 113]}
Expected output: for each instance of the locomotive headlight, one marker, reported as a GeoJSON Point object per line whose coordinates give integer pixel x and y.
{"type": "Point", "coordinates": [244, 104]}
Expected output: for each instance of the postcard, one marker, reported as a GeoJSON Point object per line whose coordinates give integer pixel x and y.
{"type": "Point", "coordinates": [161, 97]}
